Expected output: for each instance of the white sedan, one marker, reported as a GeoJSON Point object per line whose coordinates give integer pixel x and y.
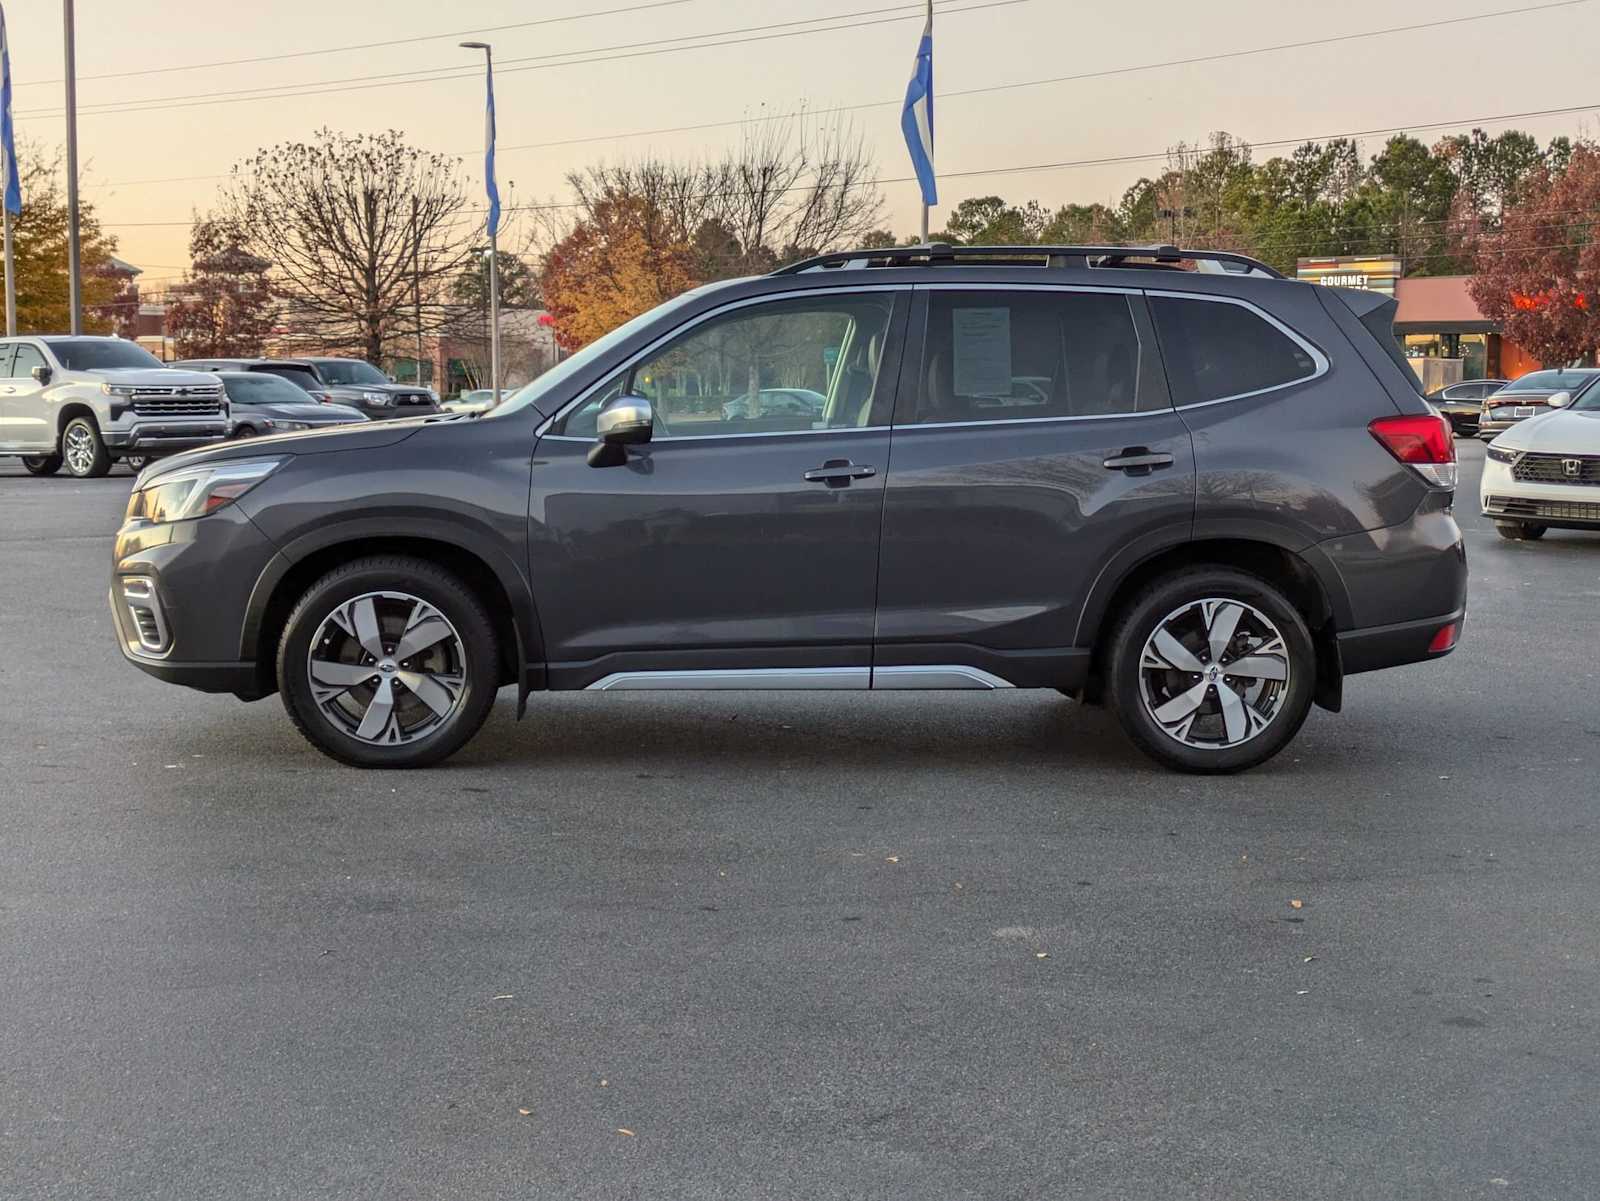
{"type": "Point", "coordinates": [1545, 472]}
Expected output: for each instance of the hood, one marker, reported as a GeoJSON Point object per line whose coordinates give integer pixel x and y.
{"type": "Point", "coordinates": [390, 389]}
{"type": "Point", "coordinates": [1560, 431]}
{"type": "Point", "coordinates": [365, 435]}
{"type": "Point", "coordinates": [155, 377]}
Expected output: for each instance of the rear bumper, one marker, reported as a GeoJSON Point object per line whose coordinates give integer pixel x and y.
{"type": "Point", "coordinates": [1377, 647]}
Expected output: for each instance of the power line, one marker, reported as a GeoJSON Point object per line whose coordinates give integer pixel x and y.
{"type": "Point", "coordinates": [427, 37]}
{"type": "Point", "coordinates": [505, 64]}
{"type": "Point", "coordinates": [1005, 87]}
{"type": "Point", "coordinates": [353, 85]}
{"type": "Point", "coordinates": [1107, 160]}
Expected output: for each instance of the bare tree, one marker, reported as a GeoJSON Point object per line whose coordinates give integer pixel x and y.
{"type": "Point", "coordinates": [355, 226]}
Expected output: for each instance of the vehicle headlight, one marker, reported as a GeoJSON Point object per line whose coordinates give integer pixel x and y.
{"type": "Point", "coordinates": [375, 398]}
{"type": "Point", "coordinates": [289, 425]}
{"type": "Point", "coordinates": [197, 491]}
{"type": "Point", "coordinates": [117, 389]}
{"type": "Point", "coordinates": [1502, 454]}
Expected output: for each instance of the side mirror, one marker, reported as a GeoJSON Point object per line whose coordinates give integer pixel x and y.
{"type": "Point", "coordinates": [626, 421]}
{"type": "Point", "coordinates": [42, 373]}
{"type": "Point", "coordinates": [1560, 400]}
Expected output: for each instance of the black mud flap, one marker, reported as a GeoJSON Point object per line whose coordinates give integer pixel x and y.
{"type": "Point", "coordinates": [1329, 692]}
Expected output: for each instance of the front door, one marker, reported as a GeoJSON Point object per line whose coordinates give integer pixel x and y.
{"type": "Point", "coordinates": [739, 547]}
{"type": "Point", "coordinates": [1033, 445]}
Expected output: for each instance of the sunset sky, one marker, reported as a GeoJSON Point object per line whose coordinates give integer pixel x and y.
{"type": "Point", "coordinates": [151, 165]}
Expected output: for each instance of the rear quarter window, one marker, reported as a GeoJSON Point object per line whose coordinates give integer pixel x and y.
{"type": "Point", "coordinates": [1215, 350]}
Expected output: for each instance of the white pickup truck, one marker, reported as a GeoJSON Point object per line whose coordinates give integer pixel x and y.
{"type": "Point", "coordinates": [85, 402]}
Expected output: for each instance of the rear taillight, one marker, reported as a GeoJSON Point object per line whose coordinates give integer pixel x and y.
{"type": "Point", "coordinates": [1422, 443]}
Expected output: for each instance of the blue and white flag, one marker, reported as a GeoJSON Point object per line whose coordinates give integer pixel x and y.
{"type": "Point", "coordinates": [7, 132]}
{"type": "Point", "coordinates": [489, 183]}
{"type": "Point", "coordinates": [916, 118]}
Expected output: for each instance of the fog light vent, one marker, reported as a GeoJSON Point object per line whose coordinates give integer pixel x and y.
{"type": "Point", "coordinates": [144, 607]}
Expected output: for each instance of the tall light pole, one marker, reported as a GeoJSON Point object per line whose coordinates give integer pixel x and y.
{"type": "Point", "coordinates": [493, 190]}
{"type": "Point", "coordinates": [74, 271]}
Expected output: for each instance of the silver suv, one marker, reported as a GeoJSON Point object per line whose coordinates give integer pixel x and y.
{"type": "Point", "coordinates": [84, 402]}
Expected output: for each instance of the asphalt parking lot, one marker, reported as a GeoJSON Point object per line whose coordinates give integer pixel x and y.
{"type": "Point", "coordinates": [798, 945]}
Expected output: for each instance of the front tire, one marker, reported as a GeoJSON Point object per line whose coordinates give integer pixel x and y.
{"type": "Point", "coordinates": [244, 431]}
{"type": "Point", "coordinates": [1520, 531]}
{"type": "Point", "coordinates": [1168, 675]}
{"type": "Point", "coordinates": [42, 464]}
{"type": "Point", "coordinates": [388, 662]}
{"type": "Point", "coordinates": [84, 450]}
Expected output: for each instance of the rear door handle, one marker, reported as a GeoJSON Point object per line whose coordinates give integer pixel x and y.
{"type": "Point", "coordinates": [837, 473]}
{"type": "Point", "coordinates": [1138, 460]}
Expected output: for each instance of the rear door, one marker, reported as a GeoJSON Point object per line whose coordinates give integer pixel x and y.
{"type": "Point", "coordinates": [1034, 443]}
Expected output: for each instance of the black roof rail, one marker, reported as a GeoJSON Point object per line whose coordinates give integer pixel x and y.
{"type": "Point", "coordinates": [937, 254]}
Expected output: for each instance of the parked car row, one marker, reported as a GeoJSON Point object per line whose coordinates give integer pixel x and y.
{"type": "Point", "coordinates": [86, 402]}
{"type": "Point", "coordinates": [1542, 466]}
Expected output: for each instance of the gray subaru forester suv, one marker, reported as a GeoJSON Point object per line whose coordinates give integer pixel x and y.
{"type": "Point", "coordinates": [1169, 481]}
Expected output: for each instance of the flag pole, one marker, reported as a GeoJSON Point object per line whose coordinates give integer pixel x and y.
{"type": "Point", "coordinates": [74, 265]}
{"type": "Point", "coordinates": [11, 282]}
{"type": "Point", "coordinates": [930, 102]}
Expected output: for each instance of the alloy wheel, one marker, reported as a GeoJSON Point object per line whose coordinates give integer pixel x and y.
{"type": "Point", "coordinates": [387, 668]}
{"type": "Point", "coordinates": [79, 449]}
{"type": "Point", "coordinates": [1215, 673]}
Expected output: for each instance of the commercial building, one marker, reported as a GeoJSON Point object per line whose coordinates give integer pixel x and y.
{"type": "Point", "coordinates": [1445, 336]}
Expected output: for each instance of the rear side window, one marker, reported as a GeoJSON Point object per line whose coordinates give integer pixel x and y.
{"type": "Point", "coordinates": [301, 377]}
{"type": "Point", "coordinates": [1215, 350]}
{"type": "Point", "coordinates": [1014, 356]}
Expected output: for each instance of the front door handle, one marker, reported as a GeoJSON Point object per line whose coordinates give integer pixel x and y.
{"type": "Point", "coordinates": [1138, 460]}
{"type": "Point", "coordinates": [837, 473]}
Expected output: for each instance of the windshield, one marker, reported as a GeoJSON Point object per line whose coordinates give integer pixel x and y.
{"type": "Point", "coordinates": [100, 354]}
{"type": "Point", "coordinates": [259, 388]}
{"type": "Point", "coordinates": [597, 349]}
{"type": "Point", "coordinates": [349, 371]}
{"type": "Point", "coordinates": [1548, 381]}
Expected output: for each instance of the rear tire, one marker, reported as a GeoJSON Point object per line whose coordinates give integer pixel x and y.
{"type": "Point", "coordinates": [1177, 700]}
{"type": "Point", "coordinates": [42, 464]}
{"type": "Point", "coordinates": [417, 706]}
{"type": "Point", "coordinates": [1520, 531]}
{"type": "Point", "coordinates": [84, 450]}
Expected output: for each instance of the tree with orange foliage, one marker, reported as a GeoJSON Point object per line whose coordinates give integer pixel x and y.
{"type": "Point", "coordinates": [610, 269]}
{"type": "Point", "coordinates": [1538, 275]}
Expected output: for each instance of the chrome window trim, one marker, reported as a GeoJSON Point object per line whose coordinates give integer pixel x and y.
{"type": "Point", "coordinates": [947, 286]}
{"type": "Point", "coordinates": [948, 425]}
{"type": "Point", "coordinates": [837, 429]}
{"type": "Point", "coordinates": [729, 307]}
{"type": "Point", "coordinates": [1319, 360]}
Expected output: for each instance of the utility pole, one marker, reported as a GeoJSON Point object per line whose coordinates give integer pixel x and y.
{"type": "Point", "coordinates": [74, 268]}
{"type": "Point", "coordinates": [416, 281]}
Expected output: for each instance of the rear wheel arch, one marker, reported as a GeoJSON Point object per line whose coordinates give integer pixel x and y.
{"type": "Point", "coordinates": [1293, 573]}
{"type": "Point", "coordinates": [287, 579]}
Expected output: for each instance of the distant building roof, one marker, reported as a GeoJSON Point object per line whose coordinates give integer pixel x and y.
{"type": "Point", "coordinates": [121, 267]}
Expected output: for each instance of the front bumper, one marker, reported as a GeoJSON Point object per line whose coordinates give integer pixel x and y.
{"type": "Point", "coordinates": [157, 435]}
{"type": "Point", "coordinates": [191, 629]}
{"type": "Point", "coordinates": [1563, 506]}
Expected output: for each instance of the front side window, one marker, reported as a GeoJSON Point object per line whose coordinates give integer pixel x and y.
{"type": "Point", "coordinates": [27, 359]}
{"type": "Point", "coordinates": [1010, 356]}
{"type": "Point", "coordinates": [786, 367]}
{"type": "Point", "coordinates": [94, 354]}
{"type": "Point", "coordinates": [1215, 350]}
